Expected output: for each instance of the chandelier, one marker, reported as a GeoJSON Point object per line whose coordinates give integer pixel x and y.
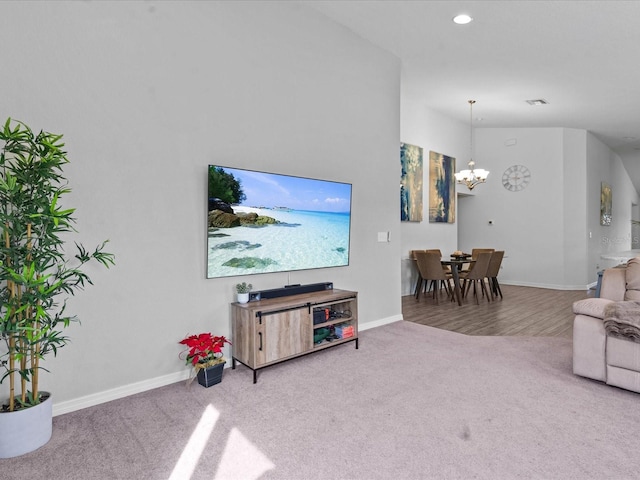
{"type": "Point", "coordinates": [472, 176]}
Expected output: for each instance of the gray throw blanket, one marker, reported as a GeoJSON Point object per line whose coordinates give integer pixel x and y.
{"type": "Point", "coordinates": [622, 320]}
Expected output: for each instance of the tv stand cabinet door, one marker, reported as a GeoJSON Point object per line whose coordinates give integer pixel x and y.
{"type": "Point", "coordinates": [283, 334]}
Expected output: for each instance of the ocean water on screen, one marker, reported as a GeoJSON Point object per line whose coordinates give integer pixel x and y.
{"type": "Point", "coordinates": [303, 240]}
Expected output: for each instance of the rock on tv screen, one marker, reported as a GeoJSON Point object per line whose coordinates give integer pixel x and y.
{"type": "Point", "coordinates": [260, 222]}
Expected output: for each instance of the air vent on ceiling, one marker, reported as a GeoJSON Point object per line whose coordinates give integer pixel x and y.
{"type": "Point", "coordinates": [538, 101]}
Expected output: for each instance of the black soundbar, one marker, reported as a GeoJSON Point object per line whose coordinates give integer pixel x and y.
{"type": "Point", "coordinates": [290, 290]}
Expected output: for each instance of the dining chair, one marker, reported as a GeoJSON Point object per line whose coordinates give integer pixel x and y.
{"type": "Point", "coordinates": [492, 273]}
{"type": "Point", "coordinates": [430, 270]}
{"type": "Point", "coordinates": [476, 275]}
{"type": "Point", "coordinates": [446, 268]}
{"type": "Point", "coordinates": [476, 251]}
{"type": "Point", "coordinates": [412, 253]}
{"type": "Point", "coordinates": [474, 256]}
{"type": "Point", "coordinates": [412, 256]}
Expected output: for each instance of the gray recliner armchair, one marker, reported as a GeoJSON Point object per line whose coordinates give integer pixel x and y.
{"type": "Point", "coordinates": [609, 358]}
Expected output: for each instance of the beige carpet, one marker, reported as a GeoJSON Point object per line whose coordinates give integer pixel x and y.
{"type": "Point", "coordinates": [413, 402]}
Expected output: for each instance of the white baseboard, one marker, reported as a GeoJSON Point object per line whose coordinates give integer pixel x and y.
{"type": "Point", "coordinates": [543, 285]}
{"type": "Point", "coordinates": [157, 382]}
{"type": "Point", "coordinates": [379, 323]}
{"type": "Point", "coordinates": [116, 393]}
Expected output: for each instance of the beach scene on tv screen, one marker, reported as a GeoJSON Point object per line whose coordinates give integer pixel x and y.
{"type": "Point", "coordinates": [259, 222]}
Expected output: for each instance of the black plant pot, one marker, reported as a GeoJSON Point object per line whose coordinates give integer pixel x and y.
{"type": "Point", "coordinates": [211, 375]}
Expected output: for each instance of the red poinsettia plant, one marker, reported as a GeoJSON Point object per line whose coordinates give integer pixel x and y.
{"type": "Point", "coordinates": [203, 350]}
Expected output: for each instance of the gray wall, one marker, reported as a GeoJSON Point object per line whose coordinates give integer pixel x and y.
{"type": "Point", "coordinates": [527, 225]}
{"type": "Point", "coordinates": [550, 230]}
{"type": "Point", "coordinates": [147, 94]}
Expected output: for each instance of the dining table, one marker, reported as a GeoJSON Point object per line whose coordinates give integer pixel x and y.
{"type": "Point", "coordinates": [456, 264]}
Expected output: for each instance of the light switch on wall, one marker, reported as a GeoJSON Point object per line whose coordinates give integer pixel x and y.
{"type": "Point", "coordinates": [383, 237]}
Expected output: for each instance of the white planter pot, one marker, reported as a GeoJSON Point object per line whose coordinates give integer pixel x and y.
{"type": "Point", "coordinates": [25, 430]}
{"type": "Point", "coordinates": [243, 297]}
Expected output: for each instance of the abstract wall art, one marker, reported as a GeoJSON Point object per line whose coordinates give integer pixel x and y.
{"type": "Point", "coordinates": [411, 183]}
{"type": "Point", "coordinates": [605, 204]}
{"type": "Point", "coordinates": [442, 188]}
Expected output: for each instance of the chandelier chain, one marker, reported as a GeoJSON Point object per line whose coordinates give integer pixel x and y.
{"type": "Point", "coordinates": [471, 162]}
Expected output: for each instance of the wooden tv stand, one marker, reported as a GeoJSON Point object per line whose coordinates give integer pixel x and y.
{"type": "Point", "coordinates": [267, 332]}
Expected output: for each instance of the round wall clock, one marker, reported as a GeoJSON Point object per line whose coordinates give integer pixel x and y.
{"type": "Point", "coordinates": [516, 178]}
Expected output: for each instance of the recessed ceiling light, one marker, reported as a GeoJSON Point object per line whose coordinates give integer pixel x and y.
{"type": "Point", "coordinates": [462, 19]}
{"type": "Point", "coordinates": [538, 101]}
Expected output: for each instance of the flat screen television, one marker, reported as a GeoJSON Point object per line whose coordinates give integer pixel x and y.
{"type": "Point", "coordinates": [259, 222]}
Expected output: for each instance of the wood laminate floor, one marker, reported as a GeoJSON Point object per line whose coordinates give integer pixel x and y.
{"type": "Point", "coordinates": [526, 311]}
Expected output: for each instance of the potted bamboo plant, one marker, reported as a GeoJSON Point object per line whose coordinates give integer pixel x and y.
{"type": "Point", "coordinates": [37, 276]}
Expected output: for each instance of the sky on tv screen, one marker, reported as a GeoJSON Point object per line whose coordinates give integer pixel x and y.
{"type": "Point", "coordinates": [273, 190]}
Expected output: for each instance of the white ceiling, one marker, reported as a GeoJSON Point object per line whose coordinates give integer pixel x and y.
{"type": "Point", "coordinates": [582, 57]}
